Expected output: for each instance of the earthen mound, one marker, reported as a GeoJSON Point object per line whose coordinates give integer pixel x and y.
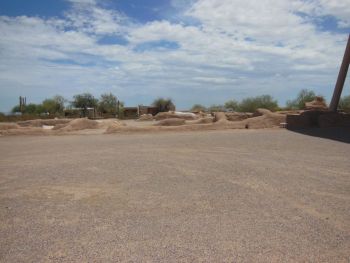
{"type": "Point", "coordinates": [41, 122]}
{"type": "Point", "coordinates": [267, 120]}
{"type": "Point", "coordinates": [30, 123]}
{"type": "Point", "coordinates": [317, 104]}
{"type": "Point", "coordinates": [8, 126]}
{"type": "Point", "coordinates": [146, 117]}
{"type": "Point", "coordinates": [104, 124]}
{"type": "Point", "coordinates": [77, 124]}
{"type": "Point", "coordinates": [203, 120]}
{"type": "Point", "coordinates": [115, 126]}
{"type": "Point", "coordinates": [171, 122]}
{"type": "Point", "coordinates": [261, 112]}
{"type": "Point", "coordinates": [25, 131]}
{"type": "Point", "coordinates": [237, 116]}
{"type": "Point", "coordinates": [176, 114]}
{"type": "Point", "coordinates": [202, 114]}
{"type": "Point", "coordinates": [220, 117]}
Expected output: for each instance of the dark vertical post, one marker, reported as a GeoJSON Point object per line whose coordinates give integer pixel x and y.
{"type": "Point", "coordinates": [118, 109]}
{"type": "Point", "coordinates": [341, 78]}
{"type": "Point", "coordinates": [20, 103]}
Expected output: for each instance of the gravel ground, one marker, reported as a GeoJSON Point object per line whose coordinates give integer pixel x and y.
{"type": "Point", "coordinates": [219, 196]}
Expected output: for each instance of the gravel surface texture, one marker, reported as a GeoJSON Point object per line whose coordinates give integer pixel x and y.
{"type": "Point", "coordinates": [218, 196]}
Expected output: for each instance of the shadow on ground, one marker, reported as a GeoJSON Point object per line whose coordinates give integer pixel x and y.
{"type": "Point", "coordinates": [337, 134]}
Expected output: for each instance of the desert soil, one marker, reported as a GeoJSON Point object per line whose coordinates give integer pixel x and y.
{"type": "Point", "coordinates": [216, 196]}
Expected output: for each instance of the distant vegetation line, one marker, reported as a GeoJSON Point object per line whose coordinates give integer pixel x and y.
{"type": "Point", "coordinates": [110, 105]}
{"type": "Point", "coordinates": [251, 104]}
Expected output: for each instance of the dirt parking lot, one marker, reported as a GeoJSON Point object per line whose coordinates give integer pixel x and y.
{"type": "Point", "coordinates": [215, 196]}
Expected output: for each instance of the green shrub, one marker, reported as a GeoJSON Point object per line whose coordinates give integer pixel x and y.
{"type": "Point", "coordinates": [253, 103]}
{"type": "Point", "coordinates": [54, 105]}
{"type": "Point", "coordinates": [108, 104]}
{"type": "Point", "coordinates": [198, 107]}
{"type": "Point", "coordinates": [164, 105]}
{"type": "Point", "coordinates": [30, 109]}
{"type": "Point", "coordinates": [299, 102]}
{"type": "Point", "coordinates": [2, 117]}
{"type": "Point", "coordinates": [84, 101]}
{"type": "Point", "coordinates": [232, 105]}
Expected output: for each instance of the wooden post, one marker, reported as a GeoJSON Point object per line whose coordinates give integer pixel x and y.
{"type": "Point", "coordinates": [341, 78]}
{"type": "Point", "coordinates": [22, 103]}
{"type": "Point", "coordinates": [118, 109]}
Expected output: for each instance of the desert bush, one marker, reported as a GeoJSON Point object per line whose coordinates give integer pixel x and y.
{"type": "Point", "coordinates": [16, 109]}
{"type": "Point", "coordinates": [232, 105]}
{"type": "Point", "coordinates": [33, 108]}
{"type": "Point", "coordinates": [30, 109]}
{"type": "Point", "coordinates": [303, 96]}
{"type": "Point", "coordinates": [121, 110]}
{"type": "Point", "coordinates": [54, 105]}
{"type": "Point", "coordinates": [108, 104]}
{"type": "Point", "coordinates": [198, 107]}
{"type": "Point", "coordinates": [253, 103]}
{"type": "Point", "coordinates": [84, 101]}
{"type": "Point", "coordinates": [2, 117]}
{"type": "Point", "coordinates": [164, 105]}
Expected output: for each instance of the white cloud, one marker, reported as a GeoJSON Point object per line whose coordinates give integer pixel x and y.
{"type": "Point", "coordinates": [93, 19]}
{"type": "Point", "coordinates": [337, 8]}
{"type": "Point", "coordinates": [237, 48]}
{"type": "Point", "coordinates": [90, 2]}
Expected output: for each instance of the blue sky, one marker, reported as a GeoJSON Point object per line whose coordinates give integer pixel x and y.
{"type": "Point", "coordinates": [194, 51]}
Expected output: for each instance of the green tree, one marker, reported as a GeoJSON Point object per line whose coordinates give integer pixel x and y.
{"type": "Point", "coordinates": [84, 101]}
{"type": "Point", "coordinates": [232, 105]}
{"type": "Point", "coordinates": [163, 105]}
{"type": "Point", "coordinates": [16, 109]}
{"type": "Point", "coordinates": [40, 109]}
{"type": "Point", "coordinates": [30, 108]}
{"type": "Point", "coordinates": [60, 101]}
{"type": "Point", "coordinates": [121, 109]}
{"type": "Point", "coordinates": [2, 117]}
{"type": "Point", "coordinates": [108, 104]}
{"type": "Point", "coordinates": [198, 107]}
{"type": "Point", "coordinates": [33, 108]}
{"type": "Point", "coordinates": [344, 103]}
{"type": "Point", "coordinates": [253, 103]}
{"type": "Point", "coordinates": [298, 103]}
{"type": "Point", "coordinates": [54, 105]}
{"type": "Point", "coordinates": [49, 106]}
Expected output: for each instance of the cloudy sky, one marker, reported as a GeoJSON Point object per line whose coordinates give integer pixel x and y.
{"type": "Point", "coordinates": [194, 51]}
